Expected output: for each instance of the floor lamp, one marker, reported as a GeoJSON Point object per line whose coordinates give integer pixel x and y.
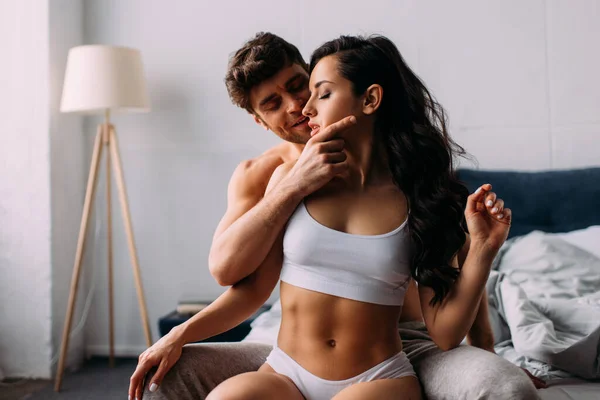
{"type": "Point", "coordinates": [101, 80]}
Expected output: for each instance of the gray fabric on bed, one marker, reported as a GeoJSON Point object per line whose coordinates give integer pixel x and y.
{"type": "Point", "coordinates": [545, 306]}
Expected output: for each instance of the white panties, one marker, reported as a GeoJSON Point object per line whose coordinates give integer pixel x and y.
{"type": "Point", "coordinates": [314, 388]}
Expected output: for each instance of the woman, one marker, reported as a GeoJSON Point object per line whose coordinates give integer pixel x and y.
{"type": "Point", "coordinates": [350, 249]}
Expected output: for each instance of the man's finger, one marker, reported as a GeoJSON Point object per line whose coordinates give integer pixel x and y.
{"type": "Point", "coordinates": [333, 129]}
{"type": "Point", "coordinates": [332, 145]}
{"type": "Point", "coordinates": [340, 168]}
{"type": "Point", "coordinates": [334, 158]}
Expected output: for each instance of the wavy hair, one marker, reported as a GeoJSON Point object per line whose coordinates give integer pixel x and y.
{"type": "Point", "coordinates": [411, 126]}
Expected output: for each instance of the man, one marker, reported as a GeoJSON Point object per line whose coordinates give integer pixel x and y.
{"type": "Point", "coordinates": [268, 78]}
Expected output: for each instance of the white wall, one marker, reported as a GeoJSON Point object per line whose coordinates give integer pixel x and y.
{"type": "Point", "coordinates": [519, 80]}
{"type": "Point", "coordinates": [25, 250]}
{"type": "Point", "coordinates": [43, 163]}
{"type": "Point", "coordinates": [69, 163]}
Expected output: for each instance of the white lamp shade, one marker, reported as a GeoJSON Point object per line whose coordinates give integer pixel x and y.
{"type": "Point", "coordinates": [100, 78]}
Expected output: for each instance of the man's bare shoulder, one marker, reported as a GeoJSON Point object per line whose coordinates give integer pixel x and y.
{"type": "Point", "coordinates": [260, 167]}
{"type": "Point", "coordinates": [283, 168]}
{"type": "Point", "coordinates": [280, 172]}
{"type": "Point", "coordinates": [253, 175]}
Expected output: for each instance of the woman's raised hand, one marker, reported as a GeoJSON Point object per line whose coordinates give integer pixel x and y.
{"type": "Point", "coordinates": [487, 218]}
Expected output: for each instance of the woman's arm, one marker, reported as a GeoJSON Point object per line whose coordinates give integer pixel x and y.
{"type": "Point", "coordinates": [449, 321]}
{"type": "Point", "coordinates": [237, 304]}
{"type": "Point", "coordinates": [229, 310]}
{"type": "Point", "coordinates": [481, 334]}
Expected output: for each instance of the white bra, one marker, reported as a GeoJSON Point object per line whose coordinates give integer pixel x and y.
{"type": "Point", "coordinates": [368, 268]}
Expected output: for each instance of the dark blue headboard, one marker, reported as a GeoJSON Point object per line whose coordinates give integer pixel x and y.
{"type": "Point", "coordinates": [550, 201]}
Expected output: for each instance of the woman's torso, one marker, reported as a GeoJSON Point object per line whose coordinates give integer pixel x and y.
{"type": "Point", "coordinates": [334, 337]}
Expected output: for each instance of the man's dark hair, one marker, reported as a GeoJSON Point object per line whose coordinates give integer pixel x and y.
{"type": "Point", "coordinates": [257, 60]}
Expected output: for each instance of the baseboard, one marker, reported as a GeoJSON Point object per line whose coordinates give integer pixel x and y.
{"type": "Point", "coordinates": [120, 350]}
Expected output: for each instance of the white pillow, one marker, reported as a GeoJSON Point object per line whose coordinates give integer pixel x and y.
{"type": "Point", "coordinates": [588, 239]}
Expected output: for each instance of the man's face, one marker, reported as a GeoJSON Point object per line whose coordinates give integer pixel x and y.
{"type": "Point", "coordinates": [278, 103]}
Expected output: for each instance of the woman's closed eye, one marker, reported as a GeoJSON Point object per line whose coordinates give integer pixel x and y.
{"type": "Point", "coordinates": [324, 96]}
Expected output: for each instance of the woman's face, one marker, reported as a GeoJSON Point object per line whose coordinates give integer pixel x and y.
{"type": "Point", "coordinates": [331, 96]}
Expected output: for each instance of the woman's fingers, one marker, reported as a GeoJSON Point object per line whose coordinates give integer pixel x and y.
{"type": "Point", "coordinates": [477, 197]}
{"type": "Point", "coordinates": [497, 207]}
{"type": "Point", "coordinates": [484, 198]}
{"type": "Point", "coordinates": [136, 379]}
{"type": "Point", "coordinates": [505, 216]}
{"type": "Point", "coordinates": [490, 200]}
{"type": "Point", "coordinates": [163, 368]}
{"type": "Point", "coordinates": [139, 392]}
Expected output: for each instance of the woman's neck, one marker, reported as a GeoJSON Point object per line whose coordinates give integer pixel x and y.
{"type": "Point", "coordinates": [367, 164]}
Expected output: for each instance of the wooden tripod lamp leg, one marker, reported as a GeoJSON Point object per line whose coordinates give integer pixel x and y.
{"type": "Point", "coordinates": [89, 198]}
{"type": "Point", "coordinates": [116, 159]}
{"type": "Point", "coordinates": [111, 315]}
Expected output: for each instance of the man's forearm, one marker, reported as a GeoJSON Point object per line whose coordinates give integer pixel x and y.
{"type": "Point", "coordinates": [242, 247]}
{"type": "Point", "coordinates": [481, 334]}
{"type": "Point", "coordinates": [456, 315]}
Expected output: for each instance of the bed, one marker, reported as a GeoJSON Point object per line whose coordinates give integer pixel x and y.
{"type": "Point", "coordinates": [544, 290]}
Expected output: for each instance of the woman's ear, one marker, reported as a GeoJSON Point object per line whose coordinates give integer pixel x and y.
{"type": "Point", "coordinates": [372, 100]}
{"type": "Point", "coordinates": [260, 121]}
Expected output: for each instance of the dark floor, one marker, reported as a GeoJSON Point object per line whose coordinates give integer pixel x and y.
{"type": "Point", "coordinates": [94, 381]}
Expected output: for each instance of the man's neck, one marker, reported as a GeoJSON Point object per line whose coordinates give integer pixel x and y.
{"type": "Point", "coordinates": [293, 151]}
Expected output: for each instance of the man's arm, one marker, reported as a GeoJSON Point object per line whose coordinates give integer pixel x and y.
{"type": "Point", "coordinates": [251, 223]}
{"type": "Point", "coordinates": [249, 228]}
{"type": "Point", "coordinates": [243, 298]}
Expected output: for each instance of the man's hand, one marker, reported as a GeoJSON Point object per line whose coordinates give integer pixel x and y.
{"type": "Point", "coordinates": [537, 382]}
{"type": "Point", "coordinates": [321, 160]}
